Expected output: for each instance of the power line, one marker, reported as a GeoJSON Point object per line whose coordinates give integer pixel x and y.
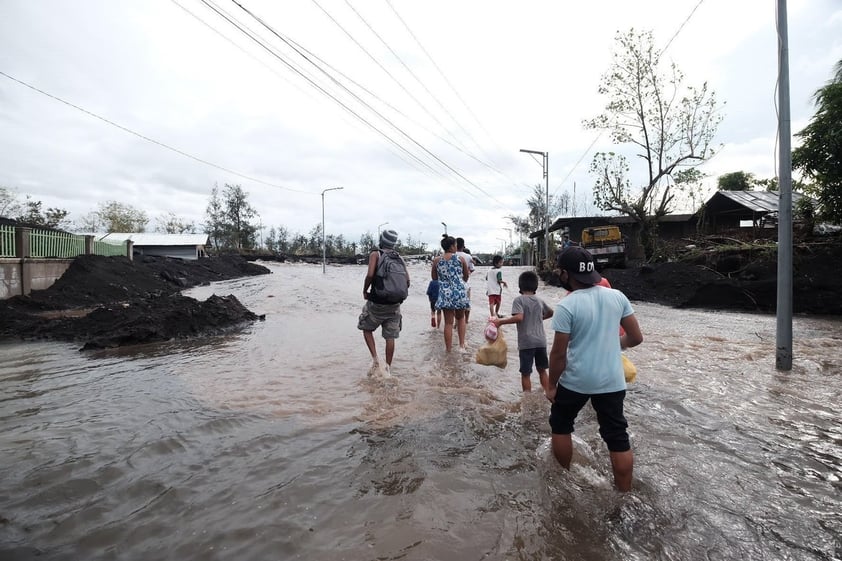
{"type": "Point", "coordinates": [677, 31]}
{"type": "Point", "coordinates": [152, 140]}
{"type": "Point", "coordinates": [411, 73]}
{"type": "Point", "coordinates": [680, 27]}
{"type": "Point", "coordinates": [311, 81]}
{"type": "Point", "coordinates": [423, 148]}
{"type": "Point", "coordinates": [438, 69]}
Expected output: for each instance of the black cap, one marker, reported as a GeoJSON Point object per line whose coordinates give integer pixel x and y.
{"type": "Point", "coordinates": [579, 264]}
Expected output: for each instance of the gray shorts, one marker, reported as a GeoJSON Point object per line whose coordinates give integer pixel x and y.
{"type": "Point", "coordinates": [387, 315]}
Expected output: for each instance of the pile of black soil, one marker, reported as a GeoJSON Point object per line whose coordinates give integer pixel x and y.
{"type": "Point", "coordinates": [740, 280]}
{"type": "Point", "coordinates": [114, 301]}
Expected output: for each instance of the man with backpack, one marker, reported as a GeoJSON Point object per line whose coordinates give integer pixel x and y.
{"type": "Point", "coordinates": [386, 285]}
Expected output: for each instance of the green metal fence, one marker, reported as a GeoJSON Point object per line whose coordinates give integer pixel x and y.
{"type": "Point", "coordinates": [7, 241]}
{"type": "Point", "coordinates": [61, 245]}
{"type": "Point", "coordinates": [109, 249]}
{"type": "Point", "coordinates": [43, 243]}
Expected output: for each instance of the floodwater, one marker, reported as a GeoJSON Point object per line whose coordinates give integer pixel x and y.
{"type": "Point", "coordinates": [274, 443]}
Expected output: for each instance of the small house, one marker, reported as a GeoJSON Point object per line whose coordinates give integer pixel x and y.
{"type": "Point", "coordinates": [181, 246]}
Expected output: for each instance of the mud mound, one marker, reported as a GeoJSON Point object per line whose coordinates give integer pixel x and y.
{"type": "Point", "coordinates": [739, 281]}
{"type": "Point", "coordinates": [113, 301]}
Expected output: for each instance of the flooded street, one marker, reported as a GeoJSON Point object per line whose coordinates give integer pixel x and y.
{"type": "Point", "coordinates": [274, 443]}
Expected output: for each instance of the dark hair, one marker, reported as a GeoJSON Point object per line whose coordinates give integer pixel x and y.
{"type": "Point", "coordinates": [460, 243]}
{"type": "Point", "coordinates": [496, 259]}
{"type": "Point", "coordinates": [527, 282]}
{"type": "Point", "coordinates": [447, 241]}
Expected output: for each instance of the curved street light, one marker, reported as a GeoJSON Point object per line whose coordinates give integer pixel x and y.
{"type": "Point", "coordinates": [378, 228]}
{"type": "Point", "coordinates": [502, 247]}
{"type": "Point", "coordinates": [324, 245]}
{"type": "Point", "coordinates": [445, 228]}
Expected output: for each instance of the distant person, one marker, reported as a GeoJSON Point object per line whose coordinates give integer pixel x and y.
{"type": "Point", "coordinates": [494, 284]}
{"type": "Point", "coordinates": [565, 241]}
{"type": "Point", "coordinates": [529, 313]}
{"type": "Point", "coordinates": [433, 295]}
{"type": "Point", "coordinates": [384, 288]}
{"type": "Point", "coordinates": [586, 363]}
{"type": "Point", "coordinates": [451, 271]}
{"type": "Point", "coordinates": [465, 254]}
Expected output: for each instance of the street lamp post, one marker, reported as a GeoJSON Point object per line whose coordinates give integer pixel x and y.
{"type": "Point", "coordinates": [378, 229]}
{"type": "Point", "coordinates": [502, 247]}
{"type": "Point", "coordinates": [324, 243]}
{"type": "Point", "coordinates": [445, 228]}
{"type": "Point", "coordinates": [546, 165]}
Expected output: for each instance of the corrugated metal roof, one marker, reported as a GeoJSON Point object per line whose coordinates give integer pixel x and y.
{"type": "Point", "coordinates": [158, 239]}
{"type": "Point", "coordinates": [757, 201]}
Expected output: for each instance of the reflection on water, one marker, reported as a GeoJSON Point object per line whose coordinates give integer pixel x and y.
{"type": "Point", "coordinates": [273, 443]}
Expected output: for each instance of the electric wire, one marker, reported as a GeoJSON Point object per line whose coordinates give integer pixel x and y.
{"type": "Point", "coordinates": [431, 154]}
{"type": "Point", "coordinates": [379, 64]}
{"type": "Point", "coordinates": [411, 73]}
{"type": "Point", "coordinates": [314, 84]}
{"type": "Point", "coordinates": [278, 74]}
{"type": "Point", "coordinates": [149, 139]}
{"type": "Point", "coordinates": [441, 72]}
{"type": "Point", "coordinates": [667, 46]}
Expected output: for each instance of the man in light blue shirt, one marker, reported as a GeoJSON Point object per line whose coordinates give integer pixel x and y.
{"type": "Point", "coordinates": [586, 364]}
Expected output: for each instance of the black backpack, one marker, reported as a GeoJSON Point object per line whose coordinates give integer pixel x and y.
{"type": "Point", "coordinates": [391, 280]}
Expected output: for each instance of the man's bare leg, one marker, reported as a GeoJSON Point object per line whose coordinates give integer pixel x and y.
{"type": "Point", "coordinates": [390, 351]}
{"type": "Point", "coordinates": [622, 463]}
{"type": "Point", "coordinates": [562, 445]}
{"type": "Point", "coordinates": [369, 342]}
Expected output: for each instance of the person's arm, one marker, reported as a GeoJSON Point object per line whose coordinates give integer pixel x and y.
{"type": "Point", "coordinates": [407, 272]}
{"type": "Point", "coordinates": [466, 273]}
{"type": "Point", "coordinates": [514, 318]}
{"type": "Point", "coordinates": [558, 362]}
{"type": "Point", "coordinates": [548, 312]}
{"type": "Point", "coordinates": [434, 272]}
{"type": "Point", "coordinates": [633, 336]}
{"type": "Point", "coordinates": [369, 276]}
{"type": "Point", "coordinates": [500, 279]}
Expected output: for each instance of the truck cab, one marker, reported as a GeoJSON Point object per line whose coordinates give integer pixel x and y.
{"type": "Point", "coordinates": [606, 244]}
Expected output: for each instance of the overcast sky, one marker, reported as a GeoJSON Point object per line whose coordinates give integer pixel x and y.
{"type": "Point", "coordinates": [447, 93]}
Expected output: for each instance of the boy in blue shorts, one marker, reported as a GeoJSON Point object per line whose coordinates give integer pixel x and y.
{"type": "Point", "coordinates": [529, 313]}
{"type": "Point", "coordinates": [586, 363]}
{"type": "Point", "coordinates": [433, 295]}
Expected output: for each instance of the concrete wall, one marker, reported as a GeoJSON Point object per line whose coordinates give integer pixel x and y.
{"type": "Point", "coordinates": [21, 276]}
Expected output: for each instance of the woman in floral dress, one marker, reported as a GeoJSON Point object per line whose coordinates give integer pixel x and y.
{"type": "Point", "coordinates": [452, 272]}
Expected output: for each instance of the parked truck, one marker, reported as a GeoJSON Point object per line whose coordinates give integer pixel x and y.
{"type": "Point", "coordinates": [607, 246]}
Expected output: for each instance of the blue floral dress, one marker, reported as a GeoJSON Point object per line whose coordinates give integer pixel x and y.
{"type": "Point", "coordinates": [453, 293]}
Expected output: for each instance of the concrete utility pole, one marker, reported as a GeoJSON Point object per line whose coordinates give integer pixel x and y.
{"type": "Point", "coordinates": [546, 166]}
{"type": "Point", "coordinates": [783, 356]}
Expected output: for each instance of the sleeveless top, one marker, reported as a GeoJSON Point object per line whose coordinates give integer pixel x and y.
{"type": "Point", "coordinates": [453, 294]}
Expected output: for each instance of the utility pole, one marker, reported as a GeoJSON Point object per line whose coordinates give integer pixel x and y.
{"type": "Point", "coordinates": [783, 342]}
{"type": "Point", "coordinates": [546, 166]}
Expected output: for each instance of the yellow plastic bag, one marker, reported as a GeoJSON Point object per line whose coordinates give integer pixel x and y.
{"type": "Point", "coordinates": [494, 353]}
{"type": "Point", "coordinates": [629, 369]}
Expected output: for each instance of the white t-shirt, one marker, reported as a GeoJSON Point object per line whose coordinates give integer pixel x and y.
{"type": "Point", "coordinates": [492, 278]}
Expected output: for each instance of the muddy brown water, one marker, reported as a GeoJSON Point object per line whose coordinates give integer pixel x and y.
{"type": "Point", "coordinates": [274, 443]}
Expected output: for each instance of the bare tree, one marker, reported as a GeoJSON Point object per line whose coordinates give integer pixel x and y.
{"type": "Point", "coordinates": [112, 216]}
{"type": "Point", "coordinates": [169, 223]}
{"type": "Point", "coordinates": [668, 125]}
